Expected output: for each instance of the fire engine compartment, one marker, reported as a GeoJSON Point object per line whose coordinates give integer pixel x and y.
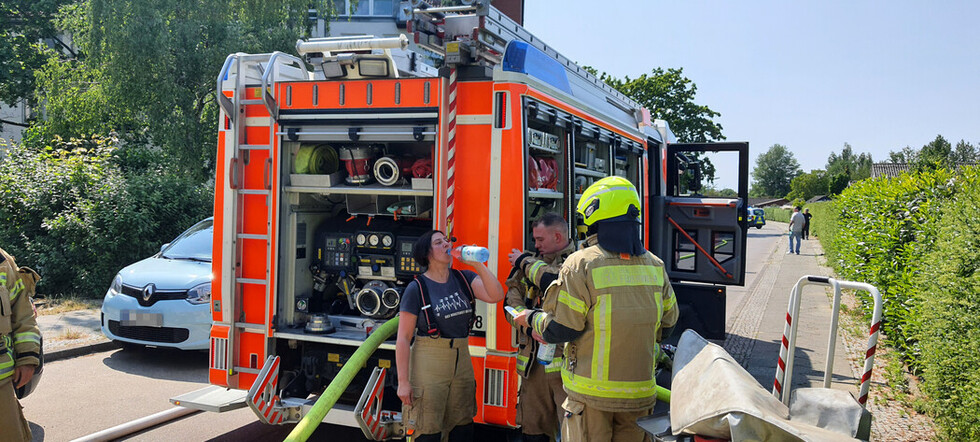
{"type": "Point", "coordinates": [346, 251]}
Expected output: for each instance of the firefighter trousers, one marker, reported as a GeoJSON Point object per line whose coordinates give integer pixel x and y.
{"type": "Point", "coordinates": [539, 402]}
{"type": "Point", "coordinates": [13, 425]}
{"type": "Point", "coordinates": [583, 423]}
{"type": "Point", "coordinates": [443, 386]}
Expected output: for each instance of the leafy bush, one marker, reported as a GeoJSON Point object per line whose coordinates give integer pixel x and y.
{"type": "Point", "coordinates": [946, 296]}
{"type": "Point", "coordinates": [73, 213]}
{"type": "Point", "coordinates": [884, 228]}
{"type": "Point", "coordinates": [777, 214]}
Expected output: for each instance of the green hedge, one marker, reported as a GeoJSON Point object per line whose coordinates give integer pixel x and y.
{"type": "Point", "coordinates": [946, 295]}
{"type": "Point", "coordinates": [777, 214]}
{"type": "Point", "coordinates": [884, 227]}
{"type": "Point", "coordinates": [917, 239]}
{"type": "Point", "coordinates": [81, 210]}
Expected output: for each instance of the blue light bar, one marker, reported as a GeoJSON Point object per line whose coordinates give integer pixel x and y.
{"type": "Point", "coordinates": [526, 59]}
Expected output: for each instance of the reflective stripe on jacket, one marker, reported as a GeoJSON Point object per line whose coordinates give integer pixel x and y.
{"type": "Point", "coordinates": [621, 304]}
{"type": "Point", "coordinates": [21, 337]}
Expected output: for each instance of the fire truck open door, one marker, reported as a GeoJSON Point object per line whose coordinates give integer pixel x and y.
{"type": "Point", "coordinates": [701, 239]}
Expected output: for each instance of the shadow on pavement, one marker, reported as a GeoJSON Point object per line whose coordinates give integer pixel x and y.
{"type": "Point", "coordinates": [806, 372]}
{"type": "Point", "coordinates": [161, 363]}
{"type": "Point", "coordinates": [37, 432]}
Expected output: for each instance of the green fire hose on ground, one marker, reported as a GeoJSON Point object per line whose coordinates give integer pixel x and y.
{"type": "Point", "coordinates": [312, 420]}
{"type": "Point", "coordinates": [308, 424]}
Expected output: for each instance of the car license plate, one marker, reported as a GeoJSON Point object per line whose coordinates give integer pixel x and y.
{"type": "Point", "coordinates": [132, 317]}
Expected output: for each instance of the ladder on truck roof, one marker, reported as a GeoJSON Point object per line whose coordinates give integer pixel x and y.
{"type": "Point", "coordinates": [478, 34]}
{"type": "Point", "coordinates": [239, 73]}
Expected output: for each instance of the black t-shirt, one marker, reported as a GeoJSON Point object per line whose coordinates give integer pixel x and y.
{"type": "Point", "coordinates": [451, 309]}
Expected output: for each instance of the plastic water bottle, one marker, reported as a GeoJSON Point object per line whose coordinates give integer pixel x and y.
{"type": "Point", "coordinates": [471, 253]}
{"type": "Point", "coordinates": [546, 353]}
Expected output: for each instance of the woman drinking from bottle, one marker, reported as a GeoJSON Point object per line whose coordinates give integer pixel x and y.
{"type": "Point", "coordinates": [435, 375]}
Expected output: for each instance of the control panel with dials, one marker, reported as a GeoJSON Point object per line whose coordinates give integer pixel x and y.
{"type": "Point", "coordinates": [335, 251]}
{"type": "Point", "coordinates": [383, 242]}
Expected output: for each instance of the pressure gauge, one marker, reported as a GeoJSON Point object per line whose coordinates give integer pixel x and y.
{"type": "Point", "coordinates": [373, 240]}
{"type": "Point", "coordinates": [361, 239]}
{"type": "Point", "coordinates": [387, 240]}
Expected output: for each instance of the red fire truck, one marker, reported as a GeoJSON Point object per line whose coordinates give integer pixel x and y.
{"type": "Point", "coordinates": [330, 164]}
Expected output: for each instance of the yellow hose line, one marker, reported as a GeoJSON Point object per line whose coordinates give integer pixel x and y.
{"type": "Point", "coordinates": [663, 394]}
{"type": "Point", "coordinates": [308, 424]}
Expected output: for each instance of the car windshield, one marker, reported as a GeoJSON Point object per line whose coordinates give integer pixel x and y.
{"type": "Point", "coordinates": [759, 212]}
{"type": "Point", "coordinates": [194, 244]}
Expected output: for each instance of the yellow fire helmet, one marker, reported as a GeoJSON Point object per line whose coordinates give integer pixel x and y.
{"type": "Point", "coordinates": [608, 198]}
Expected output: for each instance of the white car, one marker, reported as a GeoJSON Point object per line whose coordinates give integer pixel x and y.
{"type": "Point", "coordinates": [164, 300]}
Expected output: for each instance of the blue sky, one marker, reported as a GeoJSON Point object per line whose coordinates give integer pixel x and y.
{"type": "Point", "coordinates": [810, 76]}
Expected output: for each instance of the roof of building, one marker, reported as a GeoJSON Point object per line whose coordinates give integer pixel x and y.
{"type": "Point", "coordinates": [767, 202]}
{"type": "Point", "coordinates": [890, 170]}
{"type": "Point", "coordinates": [818, 199]}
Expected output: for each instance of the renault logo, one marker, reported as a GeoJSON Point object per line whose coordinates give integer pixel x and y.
{"type": "Point", "coordinates": [148, 292]}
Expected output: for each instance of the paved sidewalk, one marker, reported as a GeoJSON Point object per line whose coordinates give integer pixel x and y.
{"type": "Point", "coordinates": [71, 334]}
{"type": "Point", "coordinates": [755, 331]}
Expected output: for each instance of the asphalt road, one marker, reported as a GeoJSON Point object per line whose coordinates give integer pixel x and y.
{"type": "Point", "coordinates": [83, 395]}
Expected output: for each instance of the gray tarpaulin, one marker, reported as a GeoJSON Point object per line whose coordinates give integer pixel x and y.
{"type": "Point", "coordinates": [712, 395]}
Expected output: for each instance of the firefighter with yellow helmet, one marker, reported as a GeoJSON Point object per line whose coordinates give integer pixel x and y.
{"type": "Point", "coordinates": [611, 304]}
{"type": "Point", "coordinates": [20, 345]}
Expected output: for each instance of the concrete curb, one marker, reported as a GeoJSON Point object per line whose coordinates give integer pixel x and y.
{"type": "Point", "coordinates": [82, 350]}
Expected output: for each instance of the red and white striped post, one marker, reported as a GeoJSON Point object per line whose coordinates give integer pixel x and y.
{"type": "Point", "coordinates": [869, 354]}
{"type": "Point", "coordinates": [451, 156]}
{"type": "Point", "coordinates": [782, 384]}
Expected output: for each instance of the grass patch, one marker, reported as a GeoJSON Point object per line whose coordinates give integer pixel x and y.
{"type": "Point", "coordinates": [70, 334]}
{"type": "Point", "coordinates": [64, 304]}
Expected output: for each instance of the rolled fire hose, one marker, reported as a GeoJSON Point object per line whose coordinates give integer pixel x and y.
{"type": "Point", "coordinates": [319, 159]}
{"type": "Point", "coordinates": [386, 171]}
{"type": "Point", "coordinates": [308, 424]}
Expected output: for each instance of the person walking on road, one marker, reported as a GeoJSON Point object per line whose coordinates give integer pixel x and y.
{"type": "Point", "coordinates": [611, 305]}
{"type": "Point", "coordinates": [806, 225]}
{"type": "Point", "coordinates": [796, 223]}
{"type": "Point", "coordinates": [20, 344]}
{"type": "Point", "coordinates": [541, 395]}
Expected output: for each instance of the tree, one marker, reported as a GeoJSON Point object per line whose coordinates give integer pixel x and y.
{"type": "Point", "coordinates": [26, 31]}
{"type": "Point", "coordinates": [856, 167]}
{"type": "Point", "coordinates": [722, 193]}
{"type": "Point", "coordinates": [934, 155]}
{"type": "Point", "coordinates": [837, 183]}
{"type": "Point", "coordinates": [150, 68]}
{"type": "Point", "coordinates": [964, 153]}
{"type": "Point", "coordinates": [669, 95]}
{"type": "Point", "coordinates": [774, 171]}
{"type": "Point", "coordinates": [907, 155]}
{"type": "Point", "coordinates": [808, 185]}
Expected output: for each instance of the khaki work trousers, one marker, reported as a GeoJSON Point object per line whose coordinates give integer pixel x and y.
{"type": "Point", "coordinates": [443, 386]}
{"type": "Point", "coordinates": [13, 425]}
{"type": "Point", "coordinates": [583, 423]}
{"type": "Point", "coordinates": [539, 402]}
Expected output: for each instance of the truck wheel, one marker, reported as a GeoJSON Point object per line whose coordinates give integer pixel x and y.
{"type": "Point", "coordinates": [758, 227]}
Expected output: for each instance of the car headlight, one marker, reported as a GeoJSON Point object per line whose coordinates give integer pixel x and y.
{"type": "Point", "coordinates": [200, 294]}
{"type": "Point", "coordinates": [116, 286]}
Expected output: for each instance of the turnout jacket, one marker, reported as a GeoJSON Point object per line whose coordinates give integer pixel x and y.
{"type": "Point", "coordinates": [20, 339]}
{"type": "Point", "coordinates": [620, 304]}
{"type": "Point", "coordinates": [533, 273]}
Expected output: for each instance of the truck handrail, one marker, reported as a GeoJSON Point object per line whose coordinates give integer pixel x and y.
{"type": "Point", "coordinates": [326, 401]}
{"type": "Point", "coordinates": [267, 96]}
{"type": "Point", "coordinates": [782, 385]}
{"type": "Point", "coordinates": [223, 101]}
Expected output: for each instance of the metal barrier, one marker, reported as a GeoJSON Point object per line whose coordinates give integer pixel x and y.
{"type": "Point", "coordinates": [782, 385]}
